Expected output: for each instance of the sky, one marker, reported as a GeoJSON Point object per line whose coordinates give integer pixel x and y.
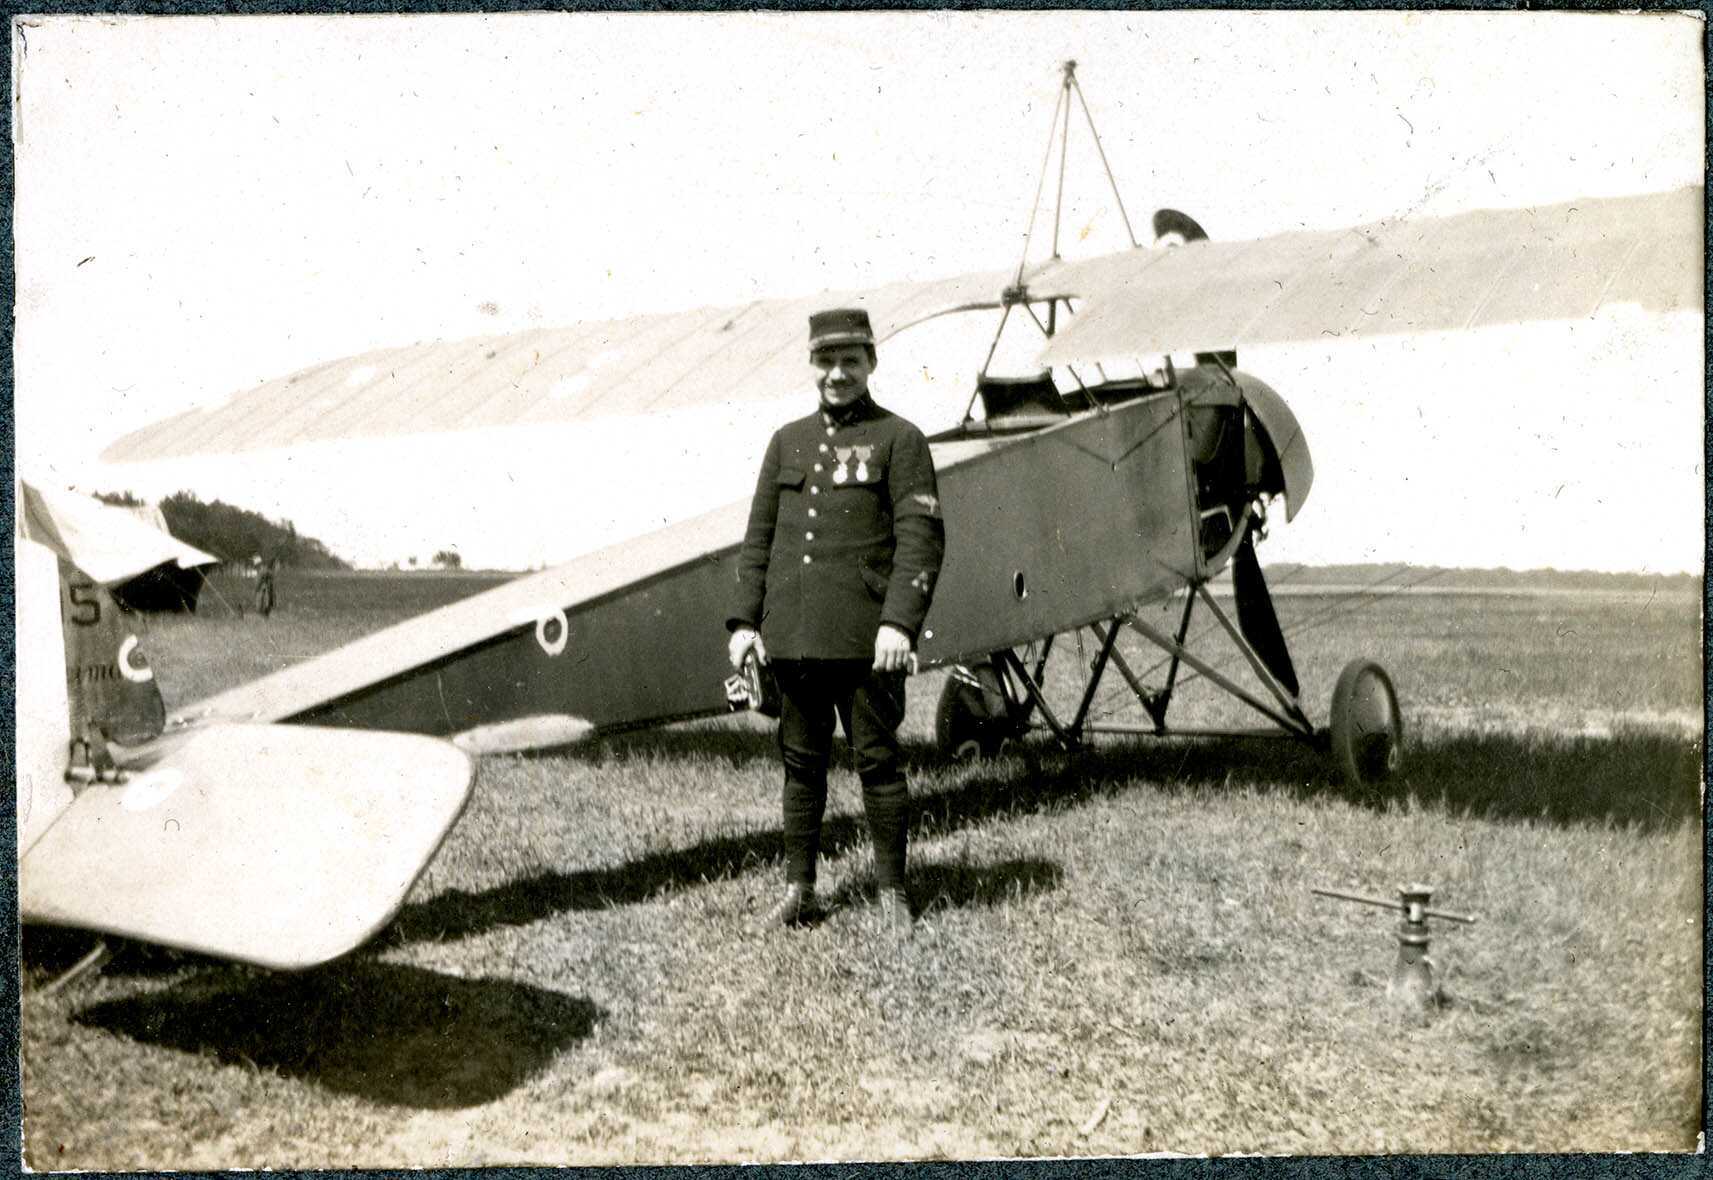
{"type": "Point", "coordinates": [206, 203]}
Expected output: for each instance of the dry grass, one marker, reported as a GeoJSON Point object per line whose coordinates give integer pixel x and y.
{"type": "Point", "coordinates": [1127, 931]}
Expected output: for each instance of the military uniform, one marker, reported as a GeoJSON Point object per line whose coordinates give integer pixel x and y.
{"type": "Point", "coordinates": [844, 535]}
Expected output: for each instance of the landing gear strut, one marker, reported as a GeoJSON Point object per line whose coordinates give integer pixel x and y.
{"type": "Point", "coordinates": [987, 704]}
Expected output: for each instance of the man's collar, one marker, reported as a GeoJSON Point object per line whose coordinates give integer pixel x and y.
{"type": "Point", "coordinates": [856, 411]}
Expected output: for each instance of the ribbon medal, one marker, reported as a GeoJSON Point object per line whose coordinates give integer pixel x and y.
{"type": "Point", "coordinates": [863, 454]}
{"type": "Point", "coordinates": [844, 454]}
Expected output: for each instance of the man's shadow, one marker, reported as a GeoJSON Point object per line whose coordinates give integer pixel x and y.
{"type": "Point", "coordinates": [960, 884]}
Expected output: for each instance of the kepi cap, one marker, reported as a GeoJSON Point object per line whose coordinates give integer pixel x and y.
{"type": "Point", "coordinates": [844, 325]}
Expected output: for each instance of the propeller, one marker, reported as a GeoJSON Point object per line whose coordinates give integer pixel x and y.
{"type": "Point", "coordinates": [1172, 228]}
{"type": "Point", "coordinates": [1256, 617]}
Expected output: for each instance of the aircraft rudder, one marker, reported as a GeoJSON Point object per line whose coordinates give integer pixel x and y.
{"type": "Point", "coordinates": [110, 687]}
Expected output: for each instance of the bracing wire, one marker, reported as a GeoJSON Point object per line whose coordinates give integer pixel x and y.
{"type": "Point", "coordinates": [1331, 614]}
{"type": "Point", "coordinates": [1117, 698]}
{"type": "Point", "coordinates": [1206, 628]}
{"type": "Point", "coordinates": [1028, 235]}
{"type": "Point", "coordinates": [1111, 179]}
{"type": "Point", "coordinates": [1064, 154]}
{"type": "Point", "coordinates": [1040, 184]}
{"type": "Point", "coordinates": [1341, 607]}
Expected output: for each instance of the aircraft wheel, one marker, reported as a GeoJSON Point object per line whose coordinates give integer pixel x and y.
{"type": "Point", "coordinates": [971, 722]}
{"type": "Point", "coordinates": [1367, 725]}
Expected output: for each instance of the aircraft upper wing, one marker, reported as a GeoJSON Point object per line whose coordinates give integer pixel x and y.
{"type": "Point", "coordinates": [625, 366]}
{"type": "Point", "coordinates": [1434, 274]}
{"type": "Point", "coordinates": [109, 544]}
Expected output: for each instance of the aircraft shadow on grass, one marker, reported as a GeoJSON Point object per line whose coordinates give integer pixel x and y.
{"type": "Point", "coordinates": [385, 1032]}
{"type": "Point", "coordinates": [1636, 778]}
{"type": "Point", "coordinates": [1640, 777]}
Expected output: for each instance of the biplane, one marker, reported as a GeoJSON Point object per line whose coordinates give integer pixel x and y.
{"type": "Point", "coordinates": [1073, 500]}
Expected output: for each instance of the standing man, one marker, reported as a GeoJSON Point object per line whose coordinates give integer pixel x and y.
{"type": "Point", "coordinates": [835, 576]}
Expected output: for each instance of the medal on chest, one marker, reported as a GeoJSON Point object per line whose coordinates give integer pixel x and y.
{"type": "Point", "coordinates": [863, 454]}
{"type": "Point", "coordinates": [840, 475]}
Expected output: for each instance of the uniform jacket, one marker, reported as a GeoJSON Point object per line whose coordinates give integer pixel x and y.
{"type": "Point", "coordinates": [844, 534]}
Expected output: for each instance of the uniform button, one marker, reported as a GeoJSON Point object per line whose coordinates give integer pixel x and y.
{"type": "Point", "coordinates": [818, 467]}
{"type": "Point", "coordinates": [830, 431]}
{"type": "Point", "coordinates": [808, 536]}
{"type": "Point", "coordinates": [813, 490]}
{"type": "Point", "coordinates": [823, 448]}
{"type": "Point", "coordinates": [813, 512]}
{"type": "Point", "coordinates": [807, 560]}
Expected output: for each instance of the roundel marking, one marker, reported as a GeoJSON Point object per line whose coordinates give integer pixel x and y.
{"type": "Point", "coordinates": [553, 632]}
{"type": "Point", "coordinates": [137, 673]}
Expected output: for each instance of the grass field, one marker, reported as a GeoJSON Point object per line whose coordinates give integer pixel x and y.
{"type": "Point", "coordinates": [1118, 950]}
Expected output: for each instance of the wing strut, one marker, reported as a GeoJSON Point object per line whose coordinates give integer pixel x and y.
{"type": "Point", "coordinates": [1058, 129]}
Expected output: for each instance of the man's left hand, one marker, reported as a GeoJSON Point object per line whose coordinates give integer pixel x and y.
{"type": "Point", "coordinates": [891, 649]}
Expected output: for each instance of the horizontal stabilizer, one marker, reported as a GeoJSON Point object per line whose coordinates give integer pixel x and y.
{"type": "Point", "coordinates": [283, 846]}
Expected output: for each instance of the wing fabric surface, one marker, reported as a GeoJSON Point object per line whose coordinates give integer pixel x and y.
{"type": "Point", "coordinates": [642, 364]}
{"type": "Point", "coordinates": [1434, 274]}
{"type": "Point", "coordinates": [283, 846]}
{"type": "Point", "coordinates": [1470, 270]}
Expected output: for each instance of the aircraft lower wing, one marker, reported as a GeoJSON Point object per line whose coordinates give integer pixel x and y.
{"type": "Point", "coordinates": [1499, 266]}
{"type": "Point", "coordinates": [283, 846]}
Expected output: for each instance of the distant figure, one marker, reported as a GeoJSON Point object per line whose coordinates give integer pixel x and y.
{"type": "Point", "coordinates": [835, 576]}
{"type": "Point", "coordinates": [265, 584]}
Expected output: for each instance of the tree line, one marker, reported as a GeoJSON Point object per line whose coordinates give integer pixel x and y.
{"type": "Point", "coordinates": [235, 534]}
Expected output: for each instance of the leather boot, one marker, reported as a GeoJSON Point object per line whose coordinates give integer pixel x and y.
{"type": "Point", "coordinates": [797, 907]}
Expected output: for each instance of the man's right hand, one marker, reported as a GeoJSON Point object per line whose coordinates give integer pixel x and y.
{"type": "Point", "coordinates": [743, 640]}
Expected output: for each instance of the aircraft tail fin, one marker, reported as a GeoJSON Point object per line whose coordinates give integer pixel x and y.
{"type": "Point", "coordinates": [110, 688]}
